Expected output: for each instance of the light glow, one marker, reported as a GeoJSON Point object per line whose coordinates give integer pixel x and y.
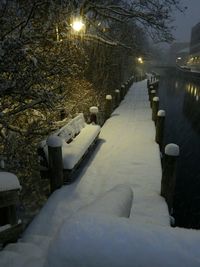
{"type": "Point", "coordinates": [77, 25]}
{"type": "Point", "coordinates": [140, 60]}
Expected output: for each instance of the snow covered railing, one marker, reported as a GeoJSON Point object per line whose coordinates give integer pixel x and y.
{"type": "Point", "coordinates": [112, 101]}
{"type": "Point", "coordinates": [10, 226]}
{"type": "Point", "coordinates": [171, 151]}
{"type": "Point", "coordinates": [168, 182]}
{"type": "Point", "coordinates": [160, 126]}
{"type": "Point", "coordinates": [152, 81]}
{"type": "Point", "coordinates": [75, 139]}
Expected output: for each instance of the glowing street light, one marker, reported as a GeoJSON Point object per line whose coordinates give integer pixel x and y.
{"type": "Point", "coordinates": [140, 60]}
{"type": "Point", "coordinates": [77, 25]}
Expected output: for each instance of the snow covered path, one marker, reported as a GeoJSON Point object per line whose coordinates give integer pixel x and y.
{"type": "Point", "coordinates": [103, 234]}
{"type": "Point", "coordinates": [126, 154]}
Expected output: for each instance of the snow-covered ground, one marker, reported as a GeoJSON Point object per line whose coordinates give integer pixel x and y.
{"type": "Point", "coordinates": [8, 181]}
{"type": "Point", "coordinates": [126, 153]}
{"type": "Point", "coordinates": [129, 226]}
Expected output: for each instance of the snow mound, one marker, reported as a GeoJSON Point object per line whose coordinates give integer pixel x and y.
{"type": "Point", "coordinates": [108, 97]}
{"type": "Point", "coordinates": [105, 241]}
{"type": "Point", "coordinates": [15, 259]}
{"type": "Point", "coordinates": [161, 113]}
{"type": "Point", "coordinates": [172, 150]}
{"type": "Point", "coordinates": [156, 99]}
{"type": "Point", "coordinates": [94, 110]}
{"type": "Point", "coordinates": [116, 202]}
{"type": "Point", "coordinates": [54, 141]}
{"type": "Point", "coordinates": [8, 181]}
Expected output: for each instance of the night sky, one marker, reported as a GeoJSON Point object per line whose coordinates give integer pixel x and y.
{"type": "Point", "coordinates": [184, 22]}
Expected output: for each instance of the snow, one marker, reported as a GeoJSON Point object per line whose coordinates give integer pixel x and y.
{"type": "Point", "coordinates": [2, 164]}
{"type": "Point", "coordinates": [74, 151]}
{"type": "Point", "coordinates": [95, 221]}
{"type": "Point", "coordinates": [94, 110]}
{"type": "Point", "coordinates": [54, 141]}
{"type": "Point", "coordinates": [156, 99]}
{"type": "Point", "coordinates": [34, 60]}
{"type": "Point", "coordinates": [116, 202]}
{"type": "Point", "coordinates": [96, 240]}
{"type": "Point", "coordinates": [108, 97]}
{"type": "Point", "coordinates": [73, 127]}
{"type": "Point", "coordinates": [8, 181]}
{"type": "Point", "coordinates": [4, 227]}
{"type": "Point", "coordinates": [172, 150]}
{"type": "Point", "coordinates": [161, 113]}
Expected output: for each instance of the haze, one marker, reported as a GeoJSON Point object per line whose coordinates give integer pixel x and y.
{"type": "Point", "coordinates": [184, 22]}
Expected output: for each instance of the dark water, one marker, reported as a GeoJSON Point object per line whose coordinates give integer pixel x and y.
{"type": "Point", "coordinates": [181, 101]}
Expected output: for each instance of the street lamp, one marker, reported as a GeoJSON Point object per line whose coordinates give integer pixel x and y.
{"type": "Point", "coordinates": [140, 60]}
{"type": "Point", "coordinates": [77, 25]}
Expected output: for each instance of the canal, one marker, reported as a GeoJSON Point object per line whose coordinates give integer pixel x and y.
{"type": "Point", "coordinates": [181, 101]}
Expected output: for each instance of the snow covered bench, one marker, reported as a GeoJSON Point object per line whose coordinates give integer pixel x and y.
{"type": "Point", "coordinates": [10, 226]}
{"type": "Point", "coordinates": [77, 137]}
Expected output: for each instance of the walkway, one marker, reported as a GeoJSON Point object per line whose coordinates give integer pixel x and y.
{"type": "Point", "coordinates": [127, 153]}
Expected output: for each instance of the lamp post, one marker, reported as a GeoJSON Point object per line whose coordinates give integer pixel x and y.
{"type": "Point", "coordinates": [77, 25]}
{"type": "Point", "coordinates": [140, 60]}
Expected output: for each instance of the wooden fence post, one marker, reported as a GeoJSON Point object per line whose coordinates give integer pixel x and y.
{"type": "Point", "coordinates": [94, 115]}
{"type": "Point", "coordinates": [150, 88]}
{"type": "Point", "coordinates": [126, 88]}
{"type": "Point", "coordinates": [160, 124]}
{"type": "Point", "coordinates": [117, 98]}
{"type": "Point", "coordinates": [55, 162]}
{"type": "Point", "coordinates": [108, 106]}
{"type": "Point", "coordinates": [152, 95]}
{"type": "Point", "coordinates": [155, 106]}
{"type": "Point", "coordinates": [168, 181]}
{"type": "Point", "coordinates": [122, 91]}
{"type": "Point", "coordinates": [62, 114]}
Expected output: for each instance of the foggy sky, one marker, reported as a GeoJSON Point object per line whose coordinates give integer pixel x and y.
{"type": "Point", "coordinates": [184, 22]}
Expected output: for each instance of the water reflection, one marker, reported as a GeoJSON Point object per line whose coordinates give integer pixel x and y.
{"type": "Point", "coordinates": [180, 100]}
{"type": "Point", "coordinates": [193, 90]}
{"type": "Point", "coordinates": [191, 108]}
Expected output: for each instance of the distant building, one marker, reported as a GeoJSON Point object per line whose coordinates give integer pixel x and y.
{"type": "Point", "coordinates": [194, 58]}
{"type": "Point", "coordinates": [195, 39]}
{"type": "Point", "coordinates": [182, 56]}
{"type": "Point", "coordinates": [178, 53]}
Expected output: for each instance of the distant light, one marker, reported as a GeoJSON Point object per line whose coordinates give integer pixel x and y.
{"type": "Point", "coordinates": [140, 60]}
{"type": "Point", "coordinates": [188, 87]}
{"type": "Point", "coordinates": [77, 25]}
{"type": "Point", "coordinates": [179, 58]}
